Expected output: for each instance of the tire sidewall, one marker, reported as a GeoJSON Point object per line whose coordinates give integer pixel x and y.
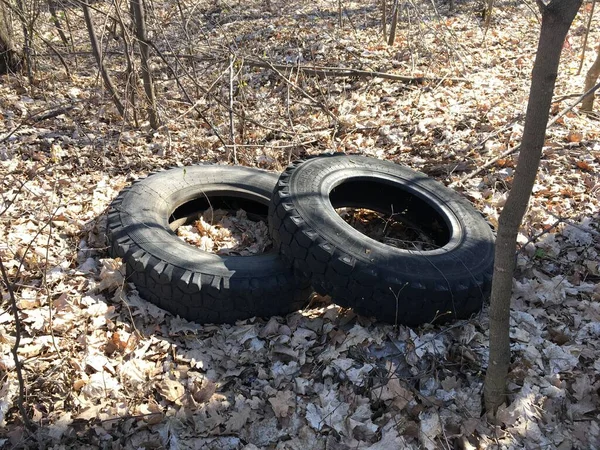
{"type": "Point", "coordinates": [471, 242]}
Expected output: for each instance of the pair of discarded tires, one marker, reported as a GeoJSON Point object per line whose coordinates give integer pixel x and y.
{"type": "Point", "coordinates": [314, 248]}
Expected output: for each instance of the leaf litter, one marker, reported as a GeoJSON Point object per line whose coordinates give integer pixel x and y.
{"type": "Point", "coordinates": [104, 368]}
{"type": "Point", "coordinates": [218, 231]}
{"type": "Point", "coordinates": [389, 229]}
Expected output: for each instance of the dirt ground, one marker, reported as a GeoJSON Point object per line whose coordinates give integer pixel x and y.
{"type": "Point", "coordinates": [103, 368]}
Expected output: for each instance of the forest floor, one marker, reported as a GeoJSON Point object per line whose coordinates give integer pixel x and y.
{"type": "Point", "coordinates": [103, 368]}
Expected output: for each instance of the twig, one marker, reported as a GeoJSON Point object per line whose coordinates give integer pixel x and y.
{"type": "Point", "coordinates": [187, 96]}
{"type": "Point", "coordinates": [495, 133]}
{"type": "Point", "coordinates": [306, 94]}
{"type": "Point", "coordinates": [536, 236]}
{"type": "Point", "coordinates": [15, 348]}
{"type": "Point", "coordinates": [569, 221]}
{"type": "Point", "coordinates": [58, 55]}
{"type": "Point", "coordinates": [128, 51]}
{"type": "Point", "coordinates": [518, 147]}
{"type": "Point", "coordinates": [98, 55]}
{"type": "Point", "coordinates": [61, 32]}
{"type": "Point", "coordinates": [455, 45]}
{"type": "Point", "coordinates": [11, 202]}
{"type": "Point", "coordinates": [585, 39]}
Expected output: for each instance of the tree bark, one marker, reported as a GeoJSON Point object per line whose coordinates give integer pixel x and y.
{"type": "Point", "coordinates": [137, 6]}
{"type": "Point", "coordinates": [557, 17]}
{"type": "Point", "coordinates": [590, 81]}
{"type": "Point", "coordinates": [10, 60]}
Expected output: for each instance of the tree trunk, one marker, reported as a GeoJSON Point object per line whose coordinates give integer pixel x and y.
{"type": "Point", "coordinates": [557, 17]}
{"type": "Point", "coordinates": [384, 19]}
{"type": "Point", "coordinates": [10, 60]}
{"type": "Point", "coordinates": [394, 24]}
{"type": "Point", "coordinates": [137, 6]}
{"type": "Point", "coordinates": [590, 81]}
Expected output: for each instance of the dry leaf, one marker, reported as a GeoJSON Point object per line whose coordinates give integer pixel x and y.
{"type": "Point", "coordinates": [171, 390]}
{"type": "Point", "coordinates": [583, 165]}
{"type": "Point", "coordinates": [429, 429]}
{"type": "Point", "coordinates": [152, 412]}
{"type": "Point", "coordinates": [202, 389]}
{"type": "Point", "coordinates": [282, 403]}
{"type": "Point", "coordinates": [574, 136]}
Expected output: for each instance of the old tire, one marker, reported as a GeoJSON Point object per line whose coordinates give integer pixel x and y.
{"type": "Point", "coordinates": [394, 285]}
{"type": "Point", "coordinates": [183, 279]}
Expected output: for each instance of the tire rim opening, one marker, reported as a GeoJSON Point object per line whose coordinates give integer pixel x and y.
{"type": "Point", "coordinates": [223, 225]}
{"type": "Point", "coordinates": [389, 214]}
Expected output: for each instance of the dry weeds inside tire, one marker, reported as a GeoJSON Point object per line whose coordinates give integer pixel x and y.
{"type": "Point", "coordinates": [395, 285]}
{"type": "Point", "coordinates": [183, 279]}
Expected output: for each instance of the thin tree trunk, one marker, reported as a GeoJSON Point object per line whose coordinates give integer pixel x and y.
{"type": "Point", "coordinates": [489, 7]}
{"type": "Point", "coordinates": [131, 76]}
{"type": "Point", "coordinates": [557, 17]}
{"type": "Point", "coordinates": [394, 23]}
{"type": "Point", "coordinates": [10, 60]}
{"type": "Point", "coordinates": [26, 39]}
{"type": "Point", "coordinates": [590, 80]}
{"type": "Point", "coordinates": [57, 24]}
{"type": "Point", "coordinates": [231, 116]}
{"type": "Point", "coordinates": [384, 19]}
{"type": "Point", "coordinates": [585, 38]}
{"type": "Point", "coordinates": [108, 83]}
{"type": "Point", "coordinates": [137, 6]}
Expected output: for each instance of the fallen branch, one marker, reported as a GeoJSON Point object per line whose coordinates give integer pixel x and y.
{"type": "Point", "coordinates": [298, 144]}
{"type": "Point", "coordinates": [326, 71]}
{"type": "Point", "coordinates": [38, 117]}
{"type": "Point", "coordinates": [510, 151]}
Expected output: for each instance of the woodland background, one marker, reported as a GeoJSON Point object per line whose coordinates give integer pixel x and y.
{"type": "Point", "coordinates": [234, 82]}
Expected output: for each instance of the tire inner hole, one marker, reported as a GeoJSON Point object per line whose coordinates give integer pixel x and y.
{"type": "Point", "coordinates": [391, 215]}
{"type": "Point", "coordinates": [224, 225]}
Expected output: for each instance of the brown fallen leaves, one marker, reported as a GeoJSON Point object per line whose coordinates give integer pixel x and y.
{"type": "Point", "coordinates": [105, 369]}
{"type": "Point", "coordinates": [221, 232]}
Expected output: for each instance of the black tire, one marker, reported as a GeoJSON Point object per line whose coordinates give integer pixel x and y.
{"type": "Point", "coordinates": [183, 279]}
{"type": "Point", "coordinates": [394, 285]}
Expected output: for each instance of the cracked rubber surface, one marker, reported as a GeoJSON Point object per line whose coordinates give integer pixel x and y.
{"type": "Point", "coordinates": [394, 285]}
{"type": "Point", "coordinates": [183, 279]}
